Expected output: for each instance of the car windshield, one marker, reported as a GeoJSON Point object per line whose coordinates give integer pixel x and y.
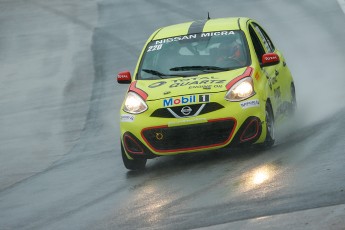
{"type": "Point", "coordinates": [194, 54]}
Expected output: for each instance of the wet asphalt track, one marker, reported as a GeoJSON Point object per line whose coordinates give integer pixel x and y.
{"type": "Point", "coordinates": [60, 156]}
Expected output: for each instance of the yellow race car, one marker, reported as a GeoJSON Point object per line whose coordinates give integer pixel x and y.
{"type": "Point", "coordinates": [204, 85]}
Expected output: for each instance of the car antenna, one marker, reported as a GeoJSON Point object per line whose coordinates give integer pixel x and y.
{"type": "Point", "coordinates": [208, 16]}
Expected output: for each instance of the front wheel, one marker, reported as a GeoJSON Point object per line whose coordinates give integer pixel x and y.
{"type": "Point", "coordinates": [134, 164]}
{"type": "Point", "coordinates": [293, 104]}
{"type": "Point", "coordinates": [270, 132]}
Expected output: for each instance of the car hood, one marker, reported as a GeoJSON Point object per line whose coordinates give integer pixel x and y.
{"type": "Point", "coordinates": [173, 87]}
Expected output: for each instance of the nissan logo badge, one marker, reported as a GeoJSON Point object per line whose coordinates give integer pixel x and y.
{"type": "Point", "coordinates": [186, 110]}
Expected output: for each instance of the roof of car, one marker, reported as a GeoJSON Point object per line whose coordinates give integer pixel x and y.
{"type": "Point", "coordinates": [208, 25]}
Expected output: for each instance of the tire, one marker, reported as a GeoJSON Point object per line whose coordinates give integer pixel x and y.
{"type": "Point", "coordinates": [135, 164]}
{"type": "Point", "coordinates": [293, 104]}
{"type": "Point", "coordinates": [270, 130]}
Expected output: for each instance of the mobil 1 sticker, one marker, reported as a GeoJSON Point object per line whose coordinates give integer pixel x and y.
{"type": "Point", "coordinates": [204, 98]}
{"type": "Point", "coordinates": [184, 100]}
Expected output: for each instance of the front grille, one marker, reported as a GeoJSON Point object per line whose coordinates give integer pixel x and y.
{"type": "Point", "coordinates": [197, 109]}
{"type": "Point", "coordinates": [189, 137]}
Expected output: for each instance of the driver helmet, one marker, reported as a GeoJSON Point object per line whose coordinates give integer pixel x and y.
{"type": "Point", "coordinates": [229, 50]}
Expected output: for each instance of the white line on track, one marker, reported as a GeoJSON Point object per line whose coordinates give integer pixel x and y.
{"type": "Point", "coordinates": [342, 4]}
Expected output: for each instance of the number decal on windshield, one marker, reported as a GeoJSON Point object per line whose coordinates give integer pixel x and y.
{"type": "Point", "coordinates": [154, 48]}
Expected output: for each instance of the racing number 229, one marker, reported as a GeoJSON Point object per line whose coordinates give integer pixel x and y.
{"type": "Point", "coordinates": [155, 47]}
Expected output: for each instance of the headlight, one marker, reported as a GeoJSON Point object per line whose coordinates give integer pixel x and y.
{"type": "Point", "coordinates": [241, 90]}
{"type": "Point", "coordinates": [134, 104]}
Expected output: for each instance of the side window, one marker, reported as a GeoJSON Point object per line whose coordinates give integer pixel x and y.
{"type": "Point", "coordinates": [265, 39]}
{"type": "Point", "coordinates": [259, 50]}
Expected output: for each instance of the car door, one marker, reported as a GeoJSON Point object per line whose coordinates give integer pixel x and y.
{"type": "Point", "coordinates": [263, 45]}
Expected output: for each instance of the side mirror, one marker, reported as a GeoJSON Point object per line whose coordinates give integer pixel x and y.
{"type": "Point", "coordinates": [270, 59]}
{"type": "Point", "coordinates": [124, 77]}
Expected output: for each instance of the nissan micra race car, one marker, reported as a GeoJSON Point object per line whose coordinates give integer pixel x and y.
{"type": "Point", "coordinates": [204, 85]}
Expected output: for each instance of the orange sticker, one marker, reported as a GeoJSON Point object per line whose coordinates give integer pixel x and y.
{"type": "Point", "coordinates": [257, 76]}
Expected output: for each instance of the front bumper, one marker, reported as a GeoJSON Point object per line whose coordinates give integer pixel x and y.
{"type": "Point", "coordinates": [146, 135]}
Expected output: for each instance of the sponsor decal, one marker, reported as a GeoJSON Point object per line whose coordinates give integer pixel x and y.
{"type": "Point", "coordinates": [218, 33]}
{"type": "Point", "coordinates": [127, 118]}
{"type": "Point", "coordinates": [190, 99]}
{"type": "Point", "coordinates": [157, 84]}
{"type": "Point", "coordinates": [271, 58]}
{"type": "Point", "coordinates": [187, 122]}
{"type": "Point", "coordinates": [204, 98]}
{"type": "Point", "coordinates": [192, 84]}
{"type": "Point", "coordinates": [198, 82]}
{"type": "Point", "coordinates": [250, 104]}
{"type": "Point", "coordinates": [189, 37]}
{"type": "Point", "coordinates": [257, 76]}
{"type": "Point", "coordinates": [179, 101]}
{"type": "Point", "coordinates": [175, 39]}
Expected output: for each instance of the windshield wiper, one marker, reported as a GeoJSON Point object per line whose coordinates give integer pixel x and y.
{"type": "Point", "coordinates": [199, 67]}
{"type": "Point", "coordinates": [155, 72]}
{"type": "Point", "coordinates": [161, 75]}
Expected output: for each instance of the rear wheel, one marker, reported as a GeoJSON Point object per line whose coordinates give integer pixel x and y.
{"type": "Point", "coordinates": [134, 164]}
{"type": "Point", "coordinates": [270, 132]}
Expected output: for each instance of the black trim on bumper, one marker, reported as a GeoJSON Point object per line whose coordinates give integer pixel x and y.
{"type": "Point", "coordinates": [135, 148]}
{"type": "Point", "coordinates": [249, 132]}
